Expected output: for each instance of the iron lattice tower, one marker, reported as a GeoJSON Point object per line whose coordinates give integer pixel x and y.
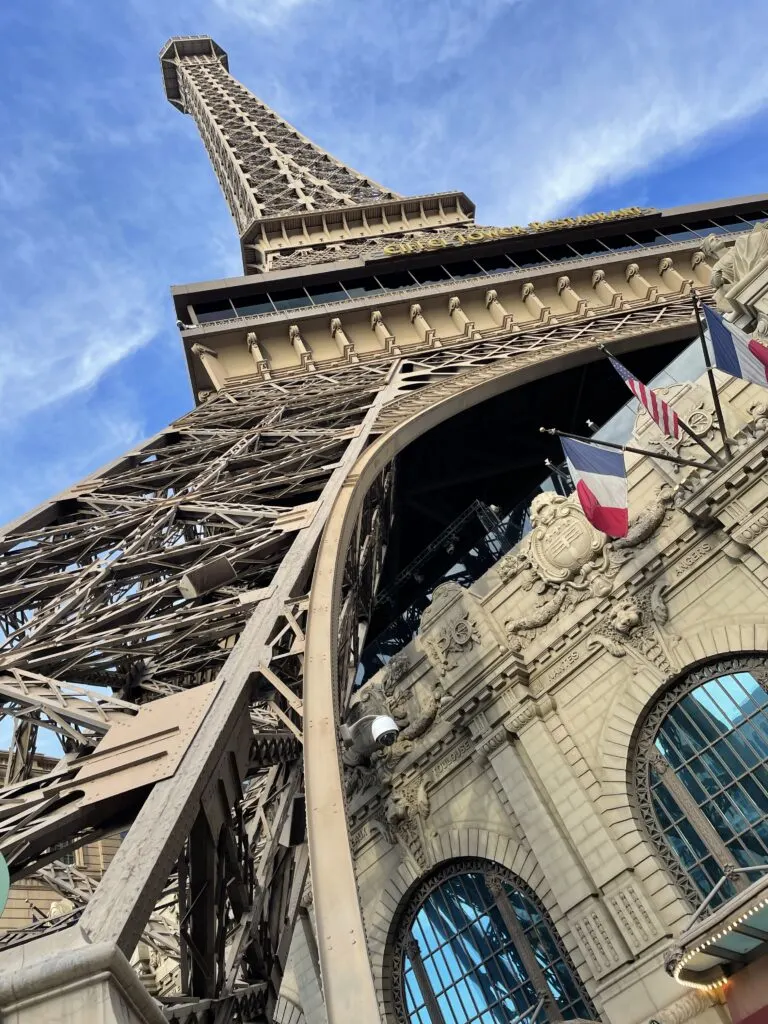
{"type": "Point", "coordinates": [188, 620]}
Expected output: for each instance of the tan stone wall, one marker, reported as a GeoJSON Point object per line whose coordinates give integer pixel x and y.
{"type": "Point", "coordinates": [518, 300]}
{"type": "Point", "coordinates": [528, 757]}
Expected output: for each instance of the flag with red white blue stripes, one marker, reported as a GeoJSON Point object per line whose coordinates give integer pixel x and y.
{"type": "Point", "coordinates": [735, 352]}
{"type": "Point", "coordinates": [663, 415]}
{"type": "Point", "coordinates": [601, 485]}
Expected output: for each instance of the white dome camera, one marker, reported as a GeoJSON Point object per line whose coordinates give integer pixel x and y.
{"type": "Point", "coordinates": [367, 735]}
{"type": "Point", "coordinates": [384, 731]}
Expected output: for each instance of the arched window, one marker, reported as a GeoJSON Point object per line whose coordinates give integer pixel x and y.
{"type": "Point", "coordinates": [475, 946]}
{"type": "Point", "coordinates": [701, 778]}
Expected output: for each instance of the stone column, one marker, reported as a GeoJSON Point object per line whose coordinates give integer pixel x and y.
{"type": "Point", "coordinates": [604, 905]}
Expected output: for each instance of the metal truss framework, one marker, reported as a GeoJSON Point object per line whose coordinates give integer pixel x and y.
{"type": "Point", "coordinates": [265, 167]}
{"type": "Point", "coordinates": [154, 618]}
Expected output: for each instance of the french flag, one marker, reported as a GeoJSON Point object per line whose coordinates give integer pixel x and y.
{"type": "Point", "coordinates": [601, 485]}
{"type": "Point", "coordinates": [735, 352]}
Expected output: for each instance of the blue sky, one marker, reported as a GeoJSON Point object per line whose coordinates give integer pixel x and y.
{"type": "Point", "coordinates": [535, 108]}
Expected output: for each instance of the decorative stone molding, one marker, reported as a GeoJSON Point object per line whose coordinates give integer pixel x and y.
{"type": "Point", "coordinates": [259, 357]}
{"type": "Point", "coordinates": [598, 941]}
{"type": "Point", "coordinates": [383, 336]}
{"type": "Point", "coordinates": [453, 627]}
{"type": "Point", "coordinates": [499, 313]}
{"type": "Point", "coordinates": [460, 319]}
{"type": "Point", "coordinates": [639, 284]}
{"type": "Point", "coordinates": [569, 297]}
{"type": "Point", "coordinates": [670, 276]}
{"type": "Point", "coordinates": [605, 292]}
{"type": "Point", "coordinates": [461, 752]}
{"type": "Point", "coordinates": [635, 626]}
{"type": "Point", "coordinates": [701, 269]}
{"type": "Point", "coordinates": [211, 364]}
{"type": "Point", "coordinates": [426, 333]}
{"type": "Point", "coordinates": [345, 346]}
{"type": "Point", "coordinates": [407, 813]}
{"type": "Point", "coordinates": [300, 347]}
{"type": "Point", "coordinates": [536, 308]}
{"type": "Point", "coordinates": [740, 277]}
{"type": "Point", "coordinates": [530, 712]}
{"type": "Point", "coordinates": [687, 1008]}
{"type": "Point", "coordinates": [449, 641]}
{"type": "Point", "coordinates": [633, 916]}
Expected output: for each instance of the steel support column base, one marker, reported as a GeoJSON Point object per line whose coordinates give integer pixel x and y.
{"type": "Point", "coordinates": [81, 985]}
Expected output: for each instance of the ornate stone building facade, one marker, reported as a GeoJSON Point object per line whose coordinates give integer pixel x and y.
{"type": "Point", "coordinates": [360, 520]}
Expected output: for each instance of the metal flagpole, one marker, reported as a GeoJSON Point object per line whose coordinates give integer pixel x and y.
{"type": "Point", "coordinates": [683, 426]}
{"type": "Point", "coordinates": [625, 448]}
{"type": "Point", "coordinates": [557, 471]}
{"type": "Point", "coordinates": [710, 374]}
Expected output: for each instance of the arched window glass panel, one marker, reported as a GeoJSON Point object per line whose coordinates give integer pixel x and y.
{"type": "Point", "coordinates": [702, 776]}
{"type": "Point", "coordinates": [476, 947]}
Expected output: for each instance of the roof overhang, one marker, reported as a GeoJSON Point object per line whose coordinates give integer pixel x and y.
{"type": "Point", "coordinates": [735, 935]}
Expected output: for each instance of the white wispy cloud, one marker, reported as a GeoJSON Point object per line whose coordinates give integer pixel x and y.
{"type": "Point", "coordinates": [106, 195]}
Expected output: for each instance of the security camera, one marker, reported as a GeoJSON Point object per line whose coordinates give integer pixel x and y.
{"type": "Point", "coordinates": [384, 731]}
{"type": "Point", "coordinates": [367, 735]}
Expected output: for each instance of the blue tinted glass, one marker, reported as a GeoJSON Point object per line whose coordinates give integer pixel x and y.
{"type": "Point", "coordinates": [471, 963]}
{"type": "Point", "coordinates": [362, 286]}
{"type": "Point", "coordinates": [716, 741]}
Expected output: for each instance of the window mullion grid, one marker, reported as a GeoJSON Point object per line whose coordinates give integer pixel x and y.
{"type": "Point", "coordinates": [695, 815]}
{"type": "Point", "coordinates": [710, 746]}
{"type": "Point", "coordinates": [413, 952]}
{"type": "Point", "coordinates": [524, 949]}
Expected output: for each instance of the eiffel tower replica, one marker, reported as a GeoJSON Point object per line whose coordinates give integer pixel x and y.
{"type": "Point", "coordinates": [188, 623]}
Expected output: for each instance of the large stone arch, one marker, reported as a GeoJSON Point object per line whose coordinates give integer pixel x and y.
{"type": "Point", "coordinates": [460, 842]}
{"type": "Point", "coordinates": [341, 934]}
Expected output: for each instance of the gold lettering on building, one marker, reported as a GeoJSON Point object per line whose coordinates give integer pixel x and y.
{"type": "Point", "coordinates": [489, 234]}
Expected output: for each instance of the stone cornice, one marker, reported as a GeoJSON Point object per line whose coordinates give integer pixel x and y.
{"type": "Point", "coordinates": [448, 288]}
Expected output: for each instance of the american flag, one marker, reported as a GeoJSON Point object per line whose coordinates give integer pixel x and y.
{"type": "Point", "coordinates": [662, 414]}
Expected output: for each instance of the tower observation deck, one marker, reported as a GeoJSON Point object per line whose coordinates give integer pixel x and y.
{"type": "Point", "coordinates": [191, 637]}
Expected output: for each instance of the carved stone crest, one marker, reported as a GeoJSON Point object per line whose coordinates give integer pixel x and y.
{"type": "Point", "coordinates": [567, 560]}
{"type": "Point", "coordinates": [443, 645]}
{"type": "Point", "coordinates": [562, 541]}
